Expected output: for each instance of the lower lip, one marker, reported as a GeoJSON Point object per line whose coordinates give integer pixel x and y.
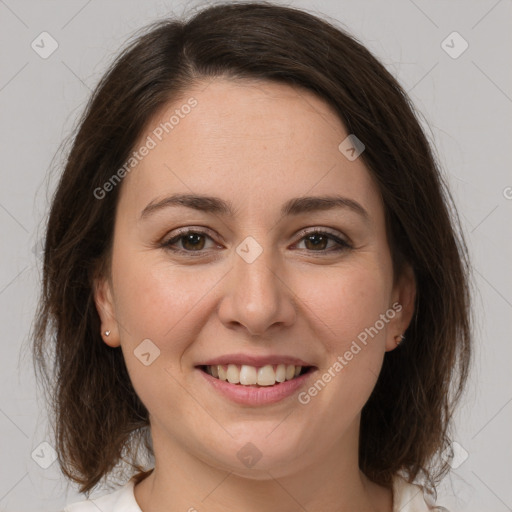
{"type": "Point", "coordinates": [261, 395]}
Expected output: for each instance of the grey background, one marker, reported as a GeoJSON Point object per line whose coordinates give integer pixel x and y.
{"type": "Point", "coordinates": [467, 102]}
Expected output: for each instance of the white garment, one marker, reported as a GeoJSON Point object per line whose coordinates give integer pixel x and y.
{"type": "Point", "coordinates": [406, 498]}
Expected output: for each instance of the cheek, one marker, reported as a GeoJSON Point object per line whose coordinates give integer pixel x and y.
{"type": "Point", "coordinates": [165, 305]}
{"type": "Point", "coordinates": [157, 300]}
{"type": "Point", "coordinates": [348, 309]}
{"type": "Point", "coordinates": [348, 300]}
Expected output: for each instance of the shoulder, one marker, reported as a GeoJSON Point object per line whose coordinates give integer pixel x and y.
{"type": "Point", "coordinates": [121, 500]}
{"type": "Point", "coordinates": [412, 498]}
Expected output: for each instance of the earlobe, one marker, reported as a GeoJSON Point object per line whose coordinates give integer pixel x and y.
{"type": "Point", "coordinates": [105, 307]}
{"type": "Point", "coordinates": [404, 294]}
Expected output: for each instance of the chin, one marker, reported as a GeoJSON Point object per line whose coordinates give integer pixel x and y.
{"type": "Point", "coordinates": [257, 456]}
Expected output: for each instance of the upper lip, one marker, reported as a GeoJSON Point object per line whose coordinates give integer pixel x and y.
{"type": "Point", "coordinates": [253, 360]}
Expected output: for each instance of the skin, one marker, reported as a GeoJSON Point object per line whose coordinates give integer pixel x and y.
{"type": "Point", "coordinates": [256, 144]}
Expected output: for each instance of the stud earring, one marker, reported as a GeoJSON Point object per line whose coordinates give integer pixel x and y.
{"type": "Point", "coordinates": [399, 338]}
{"type": "Point", "coordinates": [107, 333]}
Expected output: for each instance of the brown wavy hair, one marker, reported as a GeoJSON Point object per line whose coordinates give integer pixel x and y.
{"type": "Point", "coordinates": [97, 418]}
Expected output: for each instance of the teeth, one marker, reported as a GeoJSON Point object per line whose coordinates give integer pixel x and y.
{"type": "Point", "coordinates": [281, 373]}
{"type": "Point", "coordinates": [222, 372]}
{"type": "Point", "coordinates": [233, 374]}
{"type": "Point", "coordinates": [247, 375]}
{"type": "Point", "coordinates": [266, 376]}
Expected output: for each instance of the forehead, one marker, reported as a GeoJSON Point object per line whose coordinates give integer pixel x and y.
{"type": "Point", "coordinates": [254, 143]}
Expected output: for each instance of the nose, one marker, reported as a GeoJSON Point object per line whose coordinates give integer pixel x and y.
{"type": "Point", "coordinates": [257, 296]}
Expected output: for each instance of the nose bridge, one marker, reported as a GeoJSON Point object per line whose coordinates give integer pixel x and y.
{"type": "Point", "coordinates": [255, 274]}
{"type": "Point", "coordinates": [255, 267]}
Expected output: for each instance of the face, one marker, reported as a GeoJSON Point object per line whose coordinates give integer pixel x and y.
{"type": "Point", "coordinates": [259, 277]}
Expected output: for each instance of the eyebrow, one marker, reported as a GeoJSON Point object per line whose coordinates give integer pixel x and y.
{"type": "Point", "coordinates": [216, 205]}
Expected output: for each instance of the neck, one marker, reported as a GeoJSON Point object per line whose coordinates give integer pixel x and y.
{"type": "Point", "coordinates": [184, 482]}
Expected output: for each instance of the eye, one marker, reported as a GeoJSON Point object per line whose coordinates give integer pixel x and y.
{"type": "Point", "coordinates": [316, 241]}
{"type": "Point", "coordinates": [194, 241]}
{"type": "Point", "coordinates": [191, 241]}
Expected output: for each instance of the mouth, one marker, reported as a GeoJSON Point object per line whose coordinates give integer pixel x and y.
{"type": "Point", "coordinates": [255, 376]}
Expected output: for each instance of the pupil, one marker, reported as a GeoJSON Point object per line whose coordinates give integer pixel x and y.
{"type": "Point", "coordinates": [311, 238]}
{"type": "Point", "coordinates": [192, 238]}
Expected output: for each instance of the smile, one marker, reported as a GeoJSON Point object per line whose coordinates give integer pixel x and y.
{"type": "Point", "coordinates": [247, 375]}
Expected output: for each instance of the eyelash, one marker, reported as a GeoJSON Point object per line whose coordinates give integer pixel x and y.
{"type": "Point", "coordinates": [343, 245]}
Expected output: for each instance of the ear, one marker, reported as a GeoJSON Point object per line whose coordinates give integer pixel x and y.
{"type": "Point", "coordinates": [103, 298]}
{"type": "Point", "coordinates": [403, 302]}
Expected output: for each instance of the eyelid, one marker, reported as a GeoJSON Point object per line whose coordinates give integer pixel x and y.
{"type": "Point", "coordinates": [328, 231]}
{"type": "Point", "coordinates": [176, 233]}
{"type": "Point", "coordinates": [303, 232]}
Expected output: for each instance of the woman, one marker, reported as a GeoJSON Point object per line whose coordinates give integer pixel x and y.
{"type": "Point", "coordinates": [251, 267]}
